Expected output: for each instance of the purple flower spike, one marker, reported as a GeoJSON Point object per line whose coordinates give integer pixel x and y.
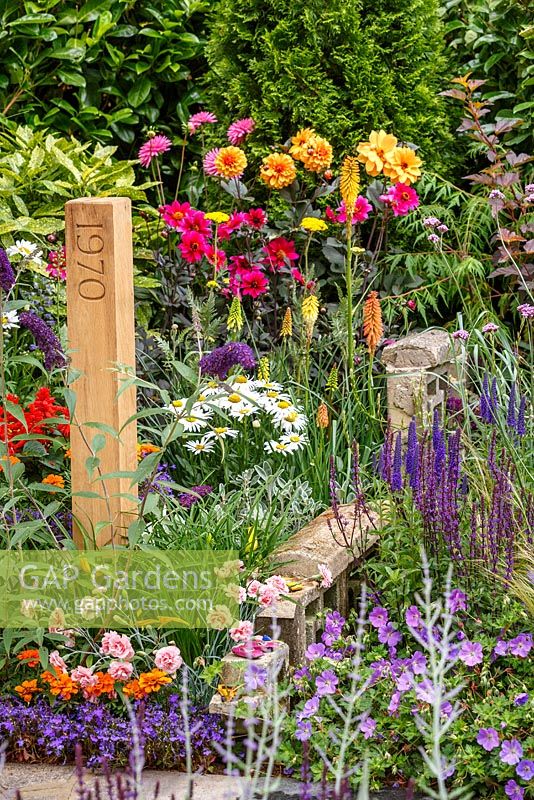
{"type": "Point", "coordinates": [45, 339]}
{"type": "Point", "coordinates": [7, 275]}
{"type": "Point", "coordinates": [221, 360]}
{"type": "Point", "coordinates": [521, 427]}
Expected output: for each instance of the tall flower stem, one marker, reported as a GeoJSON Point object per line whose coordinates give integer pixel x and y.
{"type": "Point", "coordinates": [348, 283]}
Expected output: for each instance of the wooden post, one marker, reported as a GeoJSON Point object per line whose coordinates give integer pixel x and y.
{"type": "Point", "coordinates": [101, 332]}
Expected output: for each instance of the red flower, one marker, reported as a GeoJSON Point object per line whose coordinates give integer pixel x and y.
{"type": "Point", "coordinates": [280, 252]}
{"type": "Point", "coordinates": [217, 258]}
{"type": "Point", "coordinates": [297, 275]}
{"type": "Point", "coordinates": [194, 221]}
{"type": "Point", "coordinates": [193, 246]}
{"type": "Point", "coordinates": [254, 283]}
{"type": "Point", "coordinates": [237, 219]}
{"type": "Point", "coordinates": [174, 212]}
{"type": "Point", "coordinates": [239, 265]}
{"type": "Point", "coordinates": [256, 218]}
{"type": "Point", "coordinates": [37, 414]}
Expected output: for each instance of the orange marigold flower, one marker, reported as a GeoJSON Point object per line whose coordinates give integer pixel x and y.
{"type": "Point", "coordinates": [133, 689]}
{"type": "Point", "coordinates": [104, 685]}
{"type": "Point", "coordinates": [31, 657]}
{"type": "Point", "coordinates": [153, 681]}
{"type": "Point", "coordinates": [230, 162]}
{"type": "Point", "coordinates": [317, 155]}
{"type": "Point", "coordinates": [278, 170]}
{"type": "Point", "coordinates": [300, 141]}
{"type": "Point", "coordinates": [68, 453]}
{"type": "Point", "coordinates": [9, 459]}
{"type": "Point", "coordinates": [144, 448]}
{"type": "Point", "coordinates": [373, 329]}
{"type": "Point", "coordinates": [61, 685]}
{"type": "Point", "coordinates": [403, 166]}
{"type": "Point", "coordinates": [54, 480]}
{"type": "Point", "coordinates": [322, 419]}
{"type": "Point", "coordinates": [27, 689]}
{"type": "Point", "coordinates": [374, 153]}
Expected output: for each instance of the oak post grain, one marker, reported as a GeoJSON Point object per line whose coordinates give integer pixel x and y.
{"type": "Point", "coordinates": [101, 333]}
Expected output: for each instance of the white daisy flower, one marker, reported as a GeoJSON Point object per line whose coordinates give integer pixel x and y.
{"type": "Point", "coordinates": [276, 447]}
{"type": "Point", "coordinates": [212, 387]}
{"type": "Point", "coordinates": [178, 406]}
{"type": "Point", "coordinates": [222, 433]}
{"type": "Point", "coordinates": [294, 441]}
{"type": "Point", "coordinates": [292, 420]}
{"type": "Point", "coordinates": [196, 419]}
{"type": "Point", "coordinates": [242, 411]}
{"type": "Point", "coordinates": [241, 383]}
{"type": "Point", "coordinates": [28, 250]}
{"type": "Point", "coordinates": [261, 384]}
{"type": "Point", "coordinates": [9, 320]}
{"type": "Point", "coordinates": [204, 445]}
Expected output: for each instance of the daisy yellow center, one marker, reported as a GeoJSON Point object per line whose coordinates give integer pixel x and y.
{"type": "Point", "coordinates": [272, 393]}
{"type": "Point", "coordinates": [234, 398]}
{"type": "Point", "coordinates": [291, 417]}
{"type": "Point", "coordinates": [218, 431]}
{"type": "Point", "coordinates": [294, 439]}
{"type": "Point", "coordinates": [199, 446]}
{"type": "Point", "coordinates": [241, 379]}
{"type": "Point", "coordinates": [212, 385]}
{"type": "Point", "coordinates": [191, 419]}
{"type": "Point", "coordinates": [283, 404]}
{"type": "Point", "coordinates": [177, 403]}
{"type": "Point", "coordinates": [201, 398]}
{"type": "Point", "coordinates": [280, 446]}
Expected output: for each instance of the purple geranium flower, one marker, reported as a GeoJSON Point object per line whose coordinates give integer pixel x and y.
{"type": "Point", "coordinates": [501, 648]}
{"type": "Point", "coordinates": [326, 683]}
{"type": "Point", "coordinates": [255, 677]}
{"type": "Point", "coordinates": [488, 738]}
{"type": "Point", "coordinates": [301, 673]}
{"type": "Point", "coordinates": [368, 727]}
{"type": "Point", "coordinates": [471, 653]}
{"type": "Point", "coordinates": [511, 752]}
{"type": "Point", "coordinates": [424, 691]}
{"type": "Point", "coordinates": [513, 790]}
{"type": "Point", "coordinates": [314, 651]}
{"type": "Point", "coordinates": [389, 635]}
{"type": "Point", "coordinates": [303, 731]}
{"type": "Point", "coordinates": [521, 645]}
{"type": "Point", "coordinates": [457, 601]}
{"type": "Point", "coordinates": [378, 617]}
{"type": "Point", "coordinates": [311, 707]}
{"type": "Point", "coordinates": [525, 769]}
{"type": "Point", "coordinates": [394, 703]}
{"type": "Point", "coordinates": [413, 617]}
{"type": "Point", "coordinates": [418, 663]}
{"type": "Point", "coordinates": [521, 699]}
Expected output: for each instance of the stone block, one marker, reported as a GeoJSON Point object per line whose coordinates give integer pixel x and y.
{"type": "Point", "coordinates": [275, 663]}
{"type": "Point", "coordinates": [422, 350]}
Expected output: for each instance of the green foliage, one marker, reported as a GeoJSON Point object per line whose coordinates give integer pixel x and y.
{"type": "Point", "coordinates": [493, 40]}
{"type": "Point", "coordinates": [343, 67]}
{"type": "Point", "coordinates": [101, 69]}
{"type": "Point", "coordinates": [39, 172]}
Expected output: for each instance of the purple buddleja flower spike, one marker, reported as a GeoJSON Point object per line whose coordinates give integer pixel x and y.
{"type": "Point", "coordinates": [45, 339]}
{"type": "Point", "coordinates": [411, 449]}
{"type": "Point", "coordinates": [521, 426]}
{"type": "Point", "coordinates": [221, 360]}
{"type": "Point", "coordinates": [396, 473]}
{"type": "Point", "coordinates": [7, 275]}
{"type": "Point", "coordinates": [511, 419]}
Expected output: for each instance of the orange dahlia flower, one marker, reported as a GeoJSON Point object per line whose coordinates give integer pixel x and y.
{"type": "Point", "coordinates": [317, 155]}
{"type": "Point", "coordinates": [403, 166]}
{"type": "Point", "coordinates": [299, 142]}
{"type": "Point", "coordinates": [153, 681]}
{"type": "Point", "coordinates": [230, 162]}
{"type": "Point", "coordinates": [375, 153]}
{"type": "Point", "coordinates": [31, 657]}
{"type": "Point", "coordinates": [27, 689]}
{"type": "Point", "coordinates": [278, 170]}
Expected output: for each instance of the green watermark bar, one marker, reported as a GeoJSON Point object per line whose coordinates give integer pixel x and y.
{"type": "Point", "coordinates": [119, 588]}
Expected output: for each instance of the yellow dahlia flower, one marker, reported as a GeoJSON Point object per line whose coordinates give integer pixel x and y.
{"type": "Point", "coordinates": [374, 153]}
{"type": "Point", "coordinates": [217, 216]}
{"type": "Point", "coordinates": [313, 224]}
{"type": "Point", "coordinates": [317, 155]}
{"type": "Point", "coordinates": [403, 166]}
{"type": "Point", "coordinates": [278, 170]}
{"type": "Point", "coordinates": [300, 141]}
{"type": "Point", "coordinates": [230, 162]}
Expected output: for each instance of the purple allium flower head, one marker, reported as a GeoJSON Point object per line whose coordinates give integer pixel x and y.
{"type": "Point", "coordinates": [45, 339]}
{"type": "Point", "coordinates": [521, 645]}
{"type": "Point", "coordinates": [188, 499]}
{"type": "Point", "coordinates": [326, 683]}
{"type": "Point", "coordinates": [511, 752]}
{"type": "Point", "coordinates": [7, 275]}
{"type": "Point", "coordinates": [456, 601]}
{"type": "Point", "coordinates": [521, 699]}
{"type": "Point", "coordinates": [315, 651]}
{"type": "Point", "coordinates": [221, 360]}
{"type": "Point", "coordinates": [525, 769]}
{"type": "Point", "coordinates": [471, 653]}
{"type": "Point", "coordinates": [310, 708]}
{"type": "Point", "coordinates": [442, 228]}
{"type": "Point", "coordinates": [488, 738]}
{"type": "Point", "coordinates": [303, 731]}
{"type": "Point", "coordinates": [379, 617]}
{"type": "Point", "coordinates": [513, 790]}
{"type": "Point", "coordinates": [413, 617]}
{"type": "Point", "coordinates": [367, 727]}
{"type": "Point", "coordinates": [255, 677]}
{"type": "Point", "coordinates": [461, 334]}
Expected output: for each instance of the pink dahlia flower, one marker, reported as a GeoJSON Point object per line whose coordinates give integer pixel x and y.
{"type": "Point", "coordinates": [155, 146]}
{"type": "Point", "coordinates": [240, 129]}
{"type": "Point", "coordinates": [193, 246]}
{"type": "Point", "coordinates": [209, 162]}
{"type": "Point", "coordinates": [256, 218]}
{"type": "Point", "coordinates": [173, 213]}
{"type": "Point", "coordinates": [198, 120]}
{"type": "Point", "coordinates": [362, 209]}
{"type": "Point", "coordinates": [254, 283]}
{"type": "Point", "coordinates": [196, 221]}
{"type": "Point", "coordinates": [280, 251]}
{"type": "Point", "coordinates": [168, 659]}
{"type": "Point", "coordinates": [401, 198]}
